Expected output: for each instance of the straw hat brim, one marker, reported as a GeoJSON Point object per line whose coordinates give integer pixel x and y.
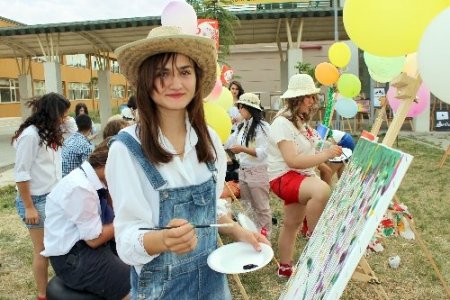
{"type": "Point", "coordinates": [249, 104]}
{"type": "Point", "coordinates": [294, 93]}
{"type": "Point", "coordinates": [200, 49]}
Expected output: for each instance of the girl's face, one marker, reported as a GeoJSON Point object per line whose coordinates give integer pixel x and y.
{"type": "Point", "coordinates": [244, 112]}
{"type": "Point", "coordinates": [175, 84]}
{"type": "Point", "coordinates": [81, 111]}
{"type": "Point", "coordinates": [64, 116]}
{"type": "Point", "coordinates": [234, 91]}
{"type": "Point", "coordinates": [308, 104]}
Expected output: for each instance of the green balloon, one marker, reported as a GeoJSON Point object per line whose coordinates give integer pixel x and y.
{"type": "Point", "coordinates": [384, 67]}
{"type": "Point", "coordinates": [349, 85]}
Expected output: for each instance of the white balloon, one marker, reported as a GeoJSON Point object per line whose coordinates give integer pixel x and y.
{"type": "Point", "coordinates": [434, 58]}
{"type": "Point", "coordinates": [346, 107]}
{"type": "Point", "coordinates": [181, 14]}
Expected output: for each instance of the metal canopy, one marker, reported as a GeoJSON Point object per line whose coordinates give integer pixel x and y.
{"type": "Point", "coordinates": [259, 26]}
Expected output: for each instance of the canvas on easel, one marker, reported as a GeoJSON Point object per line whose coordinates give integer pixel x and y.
{"type": "Point", "coordinates": [348, 222]}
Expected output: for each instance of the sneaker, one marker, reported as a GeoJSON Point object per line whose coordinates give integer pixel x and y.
{"type": "Point", "coordinates": [285, 271]}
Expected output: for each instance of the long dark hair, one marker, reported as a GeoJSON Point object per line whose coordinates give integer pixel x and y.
{"type": "Point", "coordinates": [293, 106]}
{"type": "Point", "coordinates": [47, 115]}
{"type": "Point", "coordinates": [257, 116]}
{"type": "Point", "coordinates": [150, 120]}
{"type": "Point", "coordinates": [79, 106]}
{"type": "Point", "coordinates": [239, 86]}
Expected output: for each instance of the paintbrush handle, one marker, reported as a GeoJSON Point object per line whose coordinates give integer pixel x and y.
{"type": "Point", "coordinates": [195, 226]}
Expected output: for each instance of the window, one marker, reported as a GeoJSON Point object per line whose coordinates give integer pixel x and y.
{"type": "Point", "coordinates": [39, 88]}
{"type": "Point", "coordinates": [118, 91]}
{"type": "Point", "coordinates": [78, 90]}
{"type": "Point", "coordinates": [115, 67]}
{"type": "Point", "coordinates": [77, 60]}
{"type": "Point", "coordinates": [9, 90]}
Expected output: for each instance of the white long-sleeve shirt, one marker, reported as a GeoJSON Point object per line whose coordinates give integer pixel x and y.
{"type": "Point", "coordinates": [260, 144]}
{"type": "Point", "coordinates": [72, 211]}
{"type": "Point", "coordinates": [38, 164]}
{"type": "Point", "coordinates": [136, 203]}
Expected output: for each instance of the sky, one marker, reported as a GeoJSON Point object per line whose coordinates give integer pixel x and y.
{"type": "Point", "coordinates": [33, 12]}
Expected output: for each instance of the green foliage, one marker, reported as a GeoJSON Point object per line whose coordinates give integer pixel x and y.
{"type": "Point", "coordinates": [306, 68]}
{"type": "Point", "coordinates": [212, 9]}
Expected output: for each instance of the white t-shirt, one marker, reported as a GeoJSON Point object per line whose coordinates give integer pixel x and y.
{"type": "Point", "coordinates": [136, 203]}
{"type": "Point", "coordinates": [38, 164]}
{"type": "Point", "coordinates": [72, 211]}
{"type": "Point", "coordinates": [260, 144]}
{"type": "Point", "coordinates": [282, 129]}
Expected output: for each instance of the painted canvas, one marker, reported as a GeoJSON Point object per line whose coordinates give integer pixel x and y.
{"type": "Point", "coordinates": [354, 210]}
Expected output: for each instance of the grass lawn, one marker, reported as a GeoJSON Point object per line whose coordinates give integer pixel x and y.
{"type": "Point", "coordinates": [425, 190]}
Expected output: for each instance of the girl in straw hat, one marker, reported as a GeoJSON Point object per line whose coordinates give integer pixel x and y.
{"type": "Point", "coordinates": [249, 143]}
{"type": "Point", "coordinates": [292, 158]}
{"type": "Point", "coordinates": [174, 167]}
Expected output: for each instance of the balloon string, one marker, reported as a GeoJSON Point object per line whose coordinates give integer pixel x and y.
{"type": "Point", "coordinates": [328, 107]}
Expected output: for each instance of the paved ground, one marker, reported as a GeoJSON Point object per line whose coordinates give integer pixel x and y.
{"type": "Point", "coordinates": [9, 125]}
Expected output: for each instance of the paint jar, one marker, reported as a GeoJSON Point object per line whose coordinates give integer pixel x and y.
{"type": "Point", "coordinates": [394, 261]}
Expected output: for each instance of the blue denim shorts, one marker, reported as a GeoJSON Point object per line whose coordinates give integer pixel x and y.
{"type": "Point", "coordinates": [39, 203]}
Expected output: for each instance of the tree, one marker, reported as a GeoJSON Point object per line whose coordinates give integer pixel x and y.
{"type": "Point", "coordinates": [212, 9]}
{"type": "Point", "coordinates": [306, 68]}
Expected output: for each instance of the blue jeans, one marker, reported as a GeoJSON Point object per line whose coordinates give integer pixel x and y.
{"type": "Point", "coordinates": [39, 203]}
{"type": "Point", "coordinates": [171, 276]}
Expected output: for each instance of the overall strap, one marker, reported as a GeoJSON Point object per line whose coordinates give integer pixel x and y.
{"type": "Point", "coordinates": [212, 168]}
{"type": "Point", "coordinates": [153, 175]}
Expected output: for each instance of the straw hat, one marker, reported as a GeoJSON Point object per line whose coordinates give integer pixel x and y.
{"type": "Point", "coordinates": [164, 39]}
{"type": "Point", "coordinates": [300, 85]}
{"type": "Point", "coordinates": [250, 99]}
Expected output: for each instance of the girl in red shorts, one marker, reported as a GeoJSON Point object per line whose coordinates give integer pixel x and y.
{"type": "Point", "coordinates": [292, 159]}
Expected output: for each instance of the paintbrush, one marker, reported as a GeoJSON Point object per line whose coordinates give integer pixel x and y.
{"type": "Point", "coordinates": [195, 226]}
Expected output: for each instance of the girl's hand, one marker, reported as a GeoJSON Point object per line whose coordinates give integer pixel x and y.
{"type": "Point", "coordinates": [31, 215]}
{"type": "Point", "coordinates": [253, 238]}
{"type": "Point", "coordinates": [333, 151]}
{"type": "Point", "coordinates": [236, 149]}
{"type": "Point", "coordinates": [181, 239]}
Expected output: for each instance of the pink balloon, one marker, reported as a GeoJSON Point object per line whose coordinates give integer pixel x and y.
{"type": "Point", "coordinates": [181, 14]}
{"type": "Point", "coordinates": [215, 93]}
{"type": "Point", "coordinates": [422, 98]}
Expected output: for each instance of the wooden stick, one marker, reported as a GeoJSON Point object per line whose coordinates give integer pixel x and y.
{"type": "Point", "coordinates": [430, 258]}
{"type": "Point", "coordinates": [236, 276]}
{"type": "Point", "coordinates": [444, 157]}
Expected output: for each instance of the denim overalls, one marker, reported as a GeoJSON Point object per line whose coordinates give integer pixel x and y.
{"type": "Point", "coordinates": [187, 276]}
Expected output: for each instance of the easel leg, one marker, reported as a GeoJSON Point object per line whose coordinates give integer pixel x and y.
{"type": "Point", "coordinates": [444, 157]}
{"type": "Point", "coordinates": [236, 277]}
{"type": "Point", "coordinates": [364, 272]}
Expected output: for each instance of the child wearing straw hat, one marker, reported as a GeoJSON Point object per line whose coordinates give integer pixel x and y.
{"type": "Point", "coordinates": [174, 167]}
{"type": "Point", "coordinates": [249, 143]}
{"type": "Point", "coordinates": [292, 158]}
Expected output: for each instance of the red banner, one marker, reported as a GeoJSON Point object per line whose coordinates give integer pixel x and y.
{"type": "Point", "coordinates": [209, 28]}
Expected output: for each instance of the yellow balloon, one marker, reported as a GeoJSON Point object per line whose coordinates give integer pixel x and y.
{"type": "Point", "coordinates": [339, 54]}
{"type": "Point", "coordinates": [410, 67]}
{"type": "Point", "coordinates": [218, 119]}
{"type": "Point", "coordinates": [389, 27]}
{"type": "Point", "coordinates": [225, 99]}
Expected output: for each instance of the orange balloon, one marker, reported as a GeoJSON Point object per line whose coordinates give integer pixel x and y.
{"type": "Point", "coordinates": [326, 73]}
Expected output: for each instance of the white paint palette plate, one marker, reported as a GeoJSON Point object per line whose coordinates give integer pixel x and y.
{"type": "Point", "coordinates": [346, 153]}
{"type": "Point", "coordinates": [239, 257]}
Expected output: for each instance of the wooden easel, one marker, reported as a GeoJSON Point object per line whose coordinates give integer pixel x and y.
{"type": "Point", "coordinates": [407, 88]}
{"type": "Point", "coordinates": [381, 116]}
{"type": "Point", "coordinates": [444, 157]}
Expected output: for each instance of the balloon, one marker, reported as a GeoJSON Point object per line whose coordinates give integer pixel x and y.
{"type": "Point", "coordinates": [215, 93]}
{"type": "Point", "coordinates": [181, 14]}
{"type": "Point", "coordinates": [349, 85]}
{"type": "Point", "coordinates": [347, 108]}
{"type": "Point", "coordinates": [389, 27]}
{"type": "Point", "coordinates": [339, 54]}
{"type": "Point", "coordinates": [218, 119]}
{"type": "Point", "coordinates": [386, 68]}
{"type": "Point", "coordinates": [380, 79]}
{"type": "Point", "coordinates": [225, 99]}
{"type": "Point", "coordinates": [416, 108]}
{"type": "Point", "coordinates": [433, 56]}
{"type": "Point", "coordinates": [410, 67]}
{"type": "Point", "coordinates": [326, 73]}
